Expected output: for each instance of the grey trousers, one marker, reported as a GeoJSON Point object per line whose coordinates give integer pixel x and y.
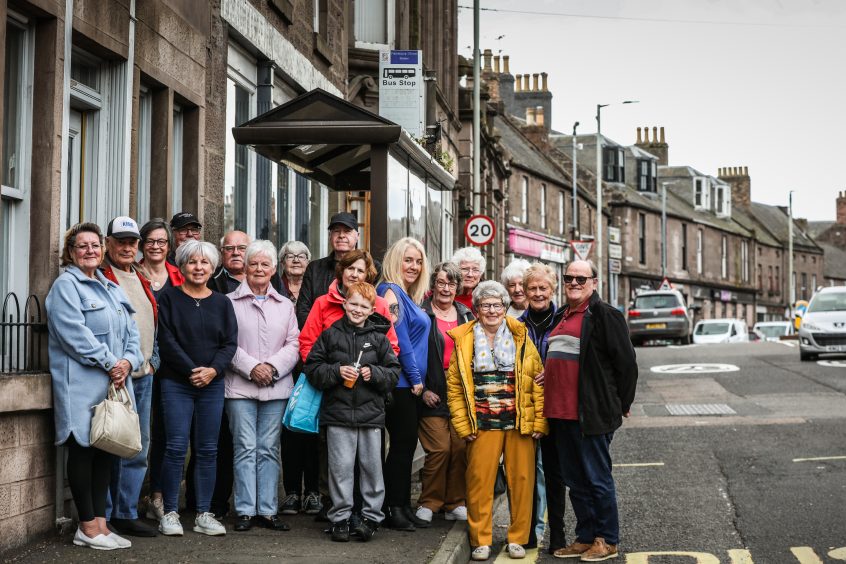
{"type": "Point", "coordinates": [349, 446]}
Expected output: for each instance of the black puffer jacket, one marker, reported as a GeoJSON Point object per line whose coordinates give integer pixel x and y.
{"type": "Point", "coordinates": [435, 374]}
{"type": "Point", "coordinates": [363, 405]}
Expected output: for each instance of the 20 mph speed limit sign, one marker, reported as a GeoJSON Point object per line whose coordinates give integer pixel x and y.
{"type": "Point", "coordinates": [479, 230]}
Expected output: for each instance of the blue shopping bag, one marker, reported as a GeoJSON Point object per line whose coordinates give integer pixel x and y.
{"type": "Point", "coordinates": [301, 414]}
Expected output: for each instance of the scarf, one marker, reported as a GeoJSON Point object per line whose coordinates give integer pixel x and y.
{"type": "Point", "coordinates": [500, 357]}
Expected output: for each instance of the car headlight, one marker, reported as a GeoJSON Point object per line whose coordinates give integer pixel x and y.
{"type": "Point", "coordinates": [810, 326]}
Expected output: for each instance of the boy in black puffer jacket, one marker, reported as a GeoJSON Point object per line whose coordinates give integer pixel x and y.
{"type": "Point", "coordinates": [355, 366]}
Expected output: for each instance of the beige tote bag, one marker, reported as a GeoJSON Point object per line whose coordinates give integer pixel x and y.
{"type": "Point", "coordinates": [115, 427]}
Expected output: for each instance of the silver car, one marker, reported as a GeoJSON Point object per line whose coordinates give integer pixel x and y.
{"type": "Point", "coordinates": [823, 328]}
{"type": "Point", "coordinates": [659, 314]}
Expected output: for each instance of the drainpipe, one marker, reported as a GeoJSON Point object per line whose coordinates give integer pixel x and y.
{"type": "Point", "coordinates": [130, 76]}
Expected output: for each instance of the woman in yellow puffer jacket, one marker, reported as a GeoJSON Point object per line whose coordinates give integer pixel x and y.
{"type": "Point", "coordinates": [497, 408]}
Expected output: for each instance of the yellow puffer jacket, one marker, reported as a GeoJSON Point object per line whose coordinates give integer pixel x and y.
{"type": "Point", "coordinates": [460, 387]}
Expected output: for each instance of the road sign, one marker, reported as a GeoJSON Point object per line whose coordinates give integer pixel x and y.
{"type": "Point", "coordinates": [832, 363]}
{"type": "Point", "coordinates": [581, 249]}
{"type": "Point", "coordinates": [665, 284]}
{"type": "Point", "coordinates": [615, 251]}
{"type": "Point", "coordinates": [479, 230]}
{"type": "Point", "coordinates": [614, 235]}
{"type": "Point", "coordinates": [702, 368]}
{"type": "Point", "coordinates": [614, 266]}
{"type": "Point", "coordinates": [401, 89]}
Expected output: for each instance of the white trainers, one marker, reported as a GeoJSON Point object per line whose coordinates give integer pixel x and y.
{"type": "Point", "coordinates": [206, 524]}
{"type": "Point", "coordinates": [424, 514]}
{"type": "Point", "coordinates": [516, 551]}
{"type": "Point", "coordinates": [120, 541]}
{"type": "Point", "coordinates": [481, 553]}
{"type": "Point", "coordinates": [100, 542]}
{"type": "Point", "coordinates": [170, 525]}
{"type": "Point", "coordinates": [457, 514]}
{"type": "Point", "coordinates": [155, 508]}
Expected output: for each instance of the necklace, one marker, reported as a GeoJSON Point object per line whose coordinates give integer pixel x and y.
{"type": "Point", "coordinates": [442, 314]}
{"type": "Point", "coordinates": [542, 321]}
{"type": "Point", "coordinates": [196, 300]}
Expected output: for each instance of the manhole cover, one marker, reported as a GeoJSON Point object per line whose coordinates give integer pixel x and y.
{"type": "Point", "coordinates": [700, 409]}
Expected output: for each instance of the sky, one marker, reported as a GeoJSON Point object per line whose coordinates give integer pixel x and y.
{"type": "Point", "coordinates": [755, 83]}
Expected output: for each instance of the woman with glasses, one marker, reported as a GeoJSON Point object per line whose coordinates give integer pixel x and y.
{"type": "Point", "coordinates": [93, 341]}
{"type": "Point", "coordinates": [541, 316]}
{"type": "Point", "coordinates": [446, 460]}
{"type": "Point", "coordinates": [300, 452]}
{"type": "Point", "coordinates": [294, 257]}
{"type": "Point", "coordinates": [497, 408]}
{"type": "Point", "coordinates": [472, 265]}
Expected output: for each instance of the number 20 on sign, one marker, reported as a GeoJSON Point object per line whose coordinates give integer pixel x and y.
{"type": "Point", "coordinates": [479, 230]}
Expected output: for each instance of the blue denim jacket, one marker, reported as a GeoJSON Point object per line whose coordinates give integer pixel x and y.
{"type": "Point", "coordinates": [91, 327]}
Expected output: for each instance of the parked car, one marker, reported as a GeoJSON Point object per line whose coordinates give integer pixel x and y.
{"type": "Point", "coordinates": [823, 328]}
{"type": "Point", "coordinates": [710, 331]}
{"type": "Point", "coordinates": [660, 314]}
{"type": "Point", "coordinates": [773, 330]}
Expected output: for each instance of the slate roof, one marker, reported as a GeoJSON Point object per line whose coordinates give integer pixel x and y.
{"type": "Point", "coordinates": [524, 154]}
{"type": "Point", "coordinates": [774, 219]}
{"type": "Point", "coordinates": [762, 235]}
{"type": "Point", "coordinates": [834, 265]}
{"type": "Point", "coordinates": [817, 228]}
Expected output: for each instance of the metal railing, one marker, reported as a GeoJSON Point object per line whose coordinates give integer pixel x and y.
{"type": "Point", "coordinates": [23, 335]}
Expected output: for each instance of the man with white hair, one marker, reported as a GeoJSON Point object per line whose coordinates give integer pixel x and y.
{"type": "Point", "coordinates": [472, 265]}
{"type": "Point", "coordinates": [512, 279]}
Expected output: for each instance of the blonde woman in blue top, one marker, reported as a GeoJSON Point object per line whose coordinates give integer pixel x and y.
{"type": "Point", "coordinates": [405, 276]}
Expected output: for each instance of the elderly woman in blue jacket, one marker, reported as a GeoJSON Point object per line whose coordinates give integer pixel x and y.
{"type": "Point", "coordinates": [93, 341]}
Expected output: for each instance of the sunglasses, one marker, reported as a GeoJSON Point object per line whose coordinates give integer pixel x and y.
{"type": "Point", "coordinates": [580, 280]}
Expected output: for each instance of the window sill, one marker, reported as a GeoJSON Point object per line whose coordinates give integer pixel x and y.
{"type": "Point", "coordinates": [25, 392]}
{"type": "Point", "coordinates": [285, 9]}
{"type": "Point", "coordinates": [321, 49]}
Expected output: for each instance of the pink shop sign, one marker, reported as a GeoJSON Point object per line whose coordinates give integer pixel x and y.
{"type": "Point", "coordinates": [533, 245]}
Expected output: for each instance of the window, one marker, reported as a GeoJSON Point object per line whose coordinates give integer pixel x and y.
{"type": "Point", "coordinates": [524, 200]}
{"type": "Point", "coordinates": [778, 280]}
{"type": "Point", "coordinates": [374, 21]}
{"type": "Point", "coordinates": [647, 175]}
{"type": "Point", "coordinates": [239, 192]}
{"type": "Point", "coordinates": [804, 286]}
{"type": "Point", "coordinates": [641, 238]}
{"type": "Point", "coordinates": [770, 282]}
{"type": "Point", "coordinates": [145, 121]}
{"type": "Point", "coordinates": [561, 212]}
{"type": "Point", "coordinates": [176, 149]}
{"type": "Point", "coordinates": [760, 278]}
{"type": "Point", "coordinates": [813, 283]}
{"type": "Point", "coordinates": [724, 257]}
{"type": "Point", "coordinates": [744, 261]}
{"type": "Point", "coordinates": [719, 207]}
{"type": "Point", "coordinates": [684, 246]}
{"type": "Point", "coordinates": [713, 198]}
{"type": "Point", "coordinates": [699, 194]}
{"type": "Point", "coordinates": [614, 164]}
{"type": "Point", "coordinates": [543, 206]}
{"type": "Point", "coordinates": [699, 251]}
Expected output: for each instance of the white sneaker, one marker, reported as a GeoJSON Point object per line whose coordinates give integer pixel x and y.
{"type": "Point", "coordinates": [516, 551]}
{"type": "Point", "coordinates": [120, 541]}
{"type": "Point", "coordinates": [100, 542]}
{"type": "Point", "coordinates": [206, 524]}
{"type": "Point", "coordinates": [424, 514]}
{"type": "Point", "coordinates": [170, 525]}
{"type": "Point", "coordinates": [481, 553]}
{"type": "Point", "coordinates": [155, 508]}
{"type": "Point", "coordinates": [457, 514]}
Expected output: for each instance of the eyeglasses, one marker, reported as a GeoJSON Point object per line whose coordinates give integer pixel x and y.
{"type": "Point", "coordinates": [88, 247]}
{"type": "Point", "coordinates": [189, 230]}
{"type": "Point", "coordinates": [473, 271]}
{"type": "Point", "coordinates": [491, 307]}
{"type": "Point", "coordinates": [580, 280]}
{"type": "Point", "coordinates": [440, 285]}
{"type": "Point", "coordinates": [155, 242]}
{"type": "Point", "coordinates": [231, 248]}
{"type": "Point", "coordinates": [302, 257]}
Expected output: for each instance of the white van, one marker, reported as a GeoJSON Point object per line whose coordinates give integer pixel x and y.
{"type": "Point", "coordinates": [710, 331]}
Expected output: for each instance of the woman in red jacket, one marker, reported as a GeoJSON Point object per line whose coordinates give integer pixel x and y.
{"type": "Point", "coordinates": [299, 451]}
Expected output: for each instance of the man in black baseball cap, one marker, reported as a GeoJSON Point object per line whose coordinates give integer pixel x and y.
{"type": "Point", "coordinates": [185, 226]}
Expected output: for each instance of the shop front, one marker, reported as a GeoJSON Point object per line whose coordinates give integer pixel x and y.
{"type": "Point", "coordinates": [534, 246]}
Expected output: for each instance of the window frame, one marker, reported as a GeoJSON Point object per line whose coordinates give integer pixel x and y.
{"type": "Point", "coordinates": [724, 257]}
{"type": "Point", "coordinates": [684, 247]}
{"type": "Point", "coordinates": [613, 164]}
{"type": "Point", "coordinates": [524, 199]}
{"type": "Point", "coordinates": [543, 205]}
{"type": "Point", "coordinates": [390, 31]}
{"type": "Point", "coordinates": [699, 251]}
{"type": "Point", "coordinates": [641, 238]}
{"type": "Point", "coordinates": [241, 72]}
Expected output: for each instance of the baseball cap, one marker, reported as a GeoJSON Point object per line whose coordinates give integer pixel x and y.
{"type": "Point", "coordinates": [181, 219]}
{"type": "Point", "coordinates": [123, 227]}
{"type": "Point", "coordinates": [344, 218]}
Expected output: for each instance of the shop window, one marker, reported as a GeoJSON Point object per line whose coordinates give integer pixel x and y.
{"type": "Point", "coordinates": [374, 24]}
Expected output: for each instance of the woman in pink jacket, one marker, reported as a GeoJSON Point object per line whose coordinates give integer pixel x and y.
{"type": "Point", "coordinates": [258, 385]}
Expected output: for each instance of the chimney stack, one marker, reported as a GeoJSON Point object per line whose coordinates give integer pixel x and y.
{"type": "Point", "coordinates": [505, 70]}
{"type": "Point", "coordinates": [539, 116]}
{"type": "Point", "coordinates": [662, 135]}
{"type": "Point", "coordinates": [646, 136]}
{"type": "Point", "coordinates": [487, 60]}
{"type": "Point", "coordinates": [545, 76]}
{"type": "Point", "coordinates": [518, 83]}
{"type": "Point", "coordinates": [741, 184]}
{"type": "Point", "coordinates": [496, 64]}
{"type": "Point", "coordinates": [841, 208]}
{"type": "Point", "coordinates": [530, 116]}
{"type": "Point", "coordinates": [526, 82]}
{"type": "Point", "coordinates": [638, 142]}
{"type": "Point", "coordinates": [657, 145]}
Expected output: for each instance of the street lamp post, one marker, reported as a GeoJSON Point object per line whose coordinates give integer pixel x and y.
{"type": "Point", "coordinates": [791, 294]}
{"type": "Point", "coordinates": [575, 177]}
{"type": "Point", "coordinates": [663, 230]}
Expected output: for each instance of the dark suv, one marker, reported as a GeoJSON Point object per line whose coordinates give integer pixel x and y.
{"type": "Point", "coordinates": [660, 314]}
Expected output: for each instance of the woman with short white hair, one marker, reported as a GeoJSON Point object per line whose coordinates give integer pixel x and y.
{"type": "Point", "coordinates": [472, 265]}
{"type": "Point", "coordinates": [294, 257]}
{"type": "Point", "coordinates": [198, 336]}
{"type": "Point", "coordinates": [512, 279]}
{"type": "Point", "coordinates": [258, 385]}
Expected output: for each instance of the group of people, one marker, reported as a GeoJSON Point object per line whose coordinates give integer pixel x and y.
{"type": "Point", "coordinates": [209, 341]}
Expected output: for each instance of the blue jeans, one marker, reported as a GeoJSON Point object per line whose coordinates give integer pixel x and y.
{"type": "Point", "coordinates": [128, 474]}
{"type": "Point", "coordinates": [586, 468]}
{"type": "Point", "coordinates": [256, 427]}
{"type": "Point", "coordinates": [540, 496]}
{"type": "Point", "coordinates": [182, 403]}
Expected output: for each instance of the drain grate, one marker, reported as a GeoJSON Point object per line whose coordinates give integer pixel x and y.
{"type": "Point", "coordinates": [700, 409]}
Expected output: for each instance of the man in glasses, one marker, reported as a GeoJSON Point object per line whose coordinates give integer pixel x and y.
{"type": "Point", "coordinates": [590, 377]}
{"type": "Point", "coordinates": [185, 226]}
{"type": "Point", "coordinates": [233, 252]}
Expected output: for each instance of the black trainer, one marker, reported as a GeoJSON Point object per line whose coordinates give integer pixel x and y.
{"type": "Point", "coordinates": [365, 530]}
{"type": "Point", "coordinates": [290, 505]}
{"type": "Point", "coordinates": [341, 531]}
{"type": "Point", "coordinates": [395, 519]}
{"type": "Point", "coordinates": [132, 527]}
{"type": "Point", "coordinates": [273, 522]}
{"type": "Point", "coordinates": [243, 523]}
{"type": "Point", "coordinates": [415, 520]}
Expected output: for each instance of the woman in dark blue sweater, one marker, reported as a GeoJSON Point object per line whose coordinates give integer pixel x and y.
{"type": "Point", "coordinates": [198, 336]}
{"type": "Point", "coordinates": [405, 275]}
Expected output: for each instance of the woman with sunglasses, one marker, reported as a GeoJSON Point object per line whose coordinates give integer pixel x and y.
{"type": "Point", "coordinates": [294, 257]}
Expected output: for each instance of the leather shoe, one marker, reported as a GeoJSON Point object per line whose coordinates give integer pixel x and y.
{"type": "Point", "coordinates": [273, 522]}
{"type": "Point", "coordinates": [243, 523]}
{"type": "Point", "coordinates": [395, 519]}
{"type": "Point", "coordinates": [415, 520]}
{"type": "Point", "coordinates": [132, 527]}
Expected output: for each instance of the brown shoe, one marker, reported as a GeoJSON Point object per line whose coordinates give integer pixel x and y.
{"type": "Point", "coordinates": [599, 551]}
{"type": "Point", "coordinates": [574, 550]}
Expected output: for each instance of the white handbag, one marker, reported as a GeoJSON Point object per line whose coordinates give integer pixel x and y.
{"type": "Point", "coordinates": [115, 427]}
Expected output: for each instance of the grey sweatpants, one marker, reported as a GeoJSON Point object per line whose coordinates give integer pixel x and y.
{"type": "Point", "coordinates": [349, 446]}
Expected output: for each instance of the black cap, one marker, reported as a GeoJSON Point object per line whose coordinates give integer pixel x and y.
{"type": "Point", "coordinates": [182, 219]}
{"type": "Point", "coordinates": [344, 218]}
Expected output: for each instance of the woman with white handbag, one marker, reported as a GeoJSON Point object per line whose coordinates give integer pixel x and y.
{"type": "Point", "coordinates": [93, 342]}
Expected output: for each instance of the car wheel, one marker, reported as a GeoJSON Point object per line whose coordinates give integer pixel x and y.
{"type": "Point", "coordinates": [807, 356]}
{"type": "Point", "coordinates": [687, 340]}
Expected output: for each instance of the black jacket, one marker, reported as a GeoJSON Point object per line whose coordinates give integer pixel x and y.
{"type": "Point", "coordinates": [607, 369]}
{"type": "Point", "coordinates": [435, 375]}
{"type": "Point", "coordinates": [363, 405]}
{"type": "Point", "coordinates": [222, 282]}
